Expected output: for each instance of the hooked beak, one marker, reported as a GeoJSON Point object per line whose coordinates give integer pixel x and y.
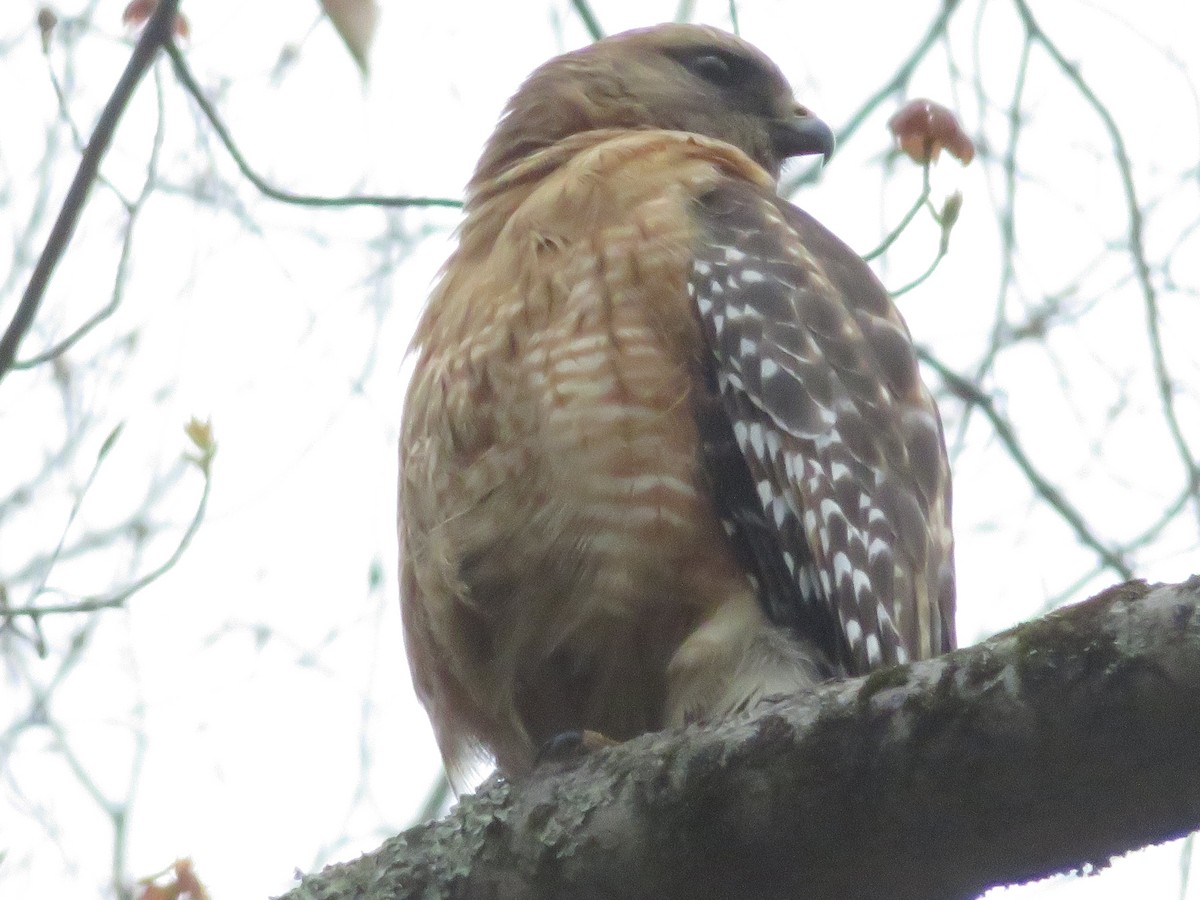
{"type": "Point", "coordinates": [802, 135]}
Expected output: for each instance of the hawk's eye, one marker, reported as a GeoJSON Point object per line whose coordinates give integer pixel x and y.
{"type": "Point", "coordinates": [713, 68]}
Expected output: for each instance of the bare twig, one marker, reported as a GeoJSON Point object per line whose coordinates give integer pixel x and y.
{"type": "Point", "coordinates": [969, 392]}
{"type": "Point", "coordinates": [116, 598]}
{"type": "Point", "coordinates": [188, 80]}
{"type": "Point", "coordinates": [1137, 249]}
{"type": "Point", "coordinates": [907, 218]}
{"type": "Point", "coordinates": [920, 279]}
{"type": "Point", "coordinates": [1007, 213]}
{"type": "Point", "coordinates": [157, 32]}
{"type": "Point", "coordinates": [937, 28]}
{"type": "Point", "coordinates": [133, 208]}
{"type": "Point", "coordinates": [105, 448]}
{"type": "Point", "coordinates": [588, 16]}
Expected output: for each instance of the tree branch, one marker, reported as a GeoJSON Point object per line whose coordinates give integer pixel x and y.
{"type": "Point", "coordinates": [188, 80]}
{"type": "Point", "coordinates": [1050, 747]}
{"type": "Point", "coordinates": [584, 10]}
{"type": "Point", "coordinates": [157, 31]}
{"type": "Point", "coordinates": [977, 398]}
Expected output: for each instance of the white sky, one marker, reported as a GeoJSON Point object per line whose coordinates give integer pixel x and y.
{"type": "Point", "coordinates": [266, 671]}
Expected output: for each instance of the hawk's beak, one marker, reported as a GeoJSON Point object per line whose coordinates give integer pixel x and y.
{"type": "Point", "coordinates": [802, 135]}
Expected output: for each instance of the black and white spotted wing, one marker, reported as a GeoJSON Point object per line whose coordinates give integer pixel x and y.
{"type": "Point", "coordinates": [838, 494]}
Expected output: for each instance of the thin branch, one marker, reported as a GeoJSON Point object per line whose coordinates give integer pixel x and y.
{"type": "Point", "coordinates": [188, 80]}
{"type": "Point", "coordinates": [1137, 249]}
{"type": "Point", "coordinates": [95, 539]}
{"type": "Point", "coordinates": [908, 217]}
{"type": "Point", "coordinates": [937, 28]}
{"type": "Point", "coordinates": [64, 113]}
{"type": "Point", "coordinates": [584, 10]}
{"type": "Point", "coordinates": [111, 600]}
{"type": "Point", "coordinates": [1007, 214]}
{"type": "Point", "coordinates": [1008, 227]}
{"type": "Point", "coordinates": [685, 10]}
{"type": "Point", "coordinates": [969, 392]}
{"type": "Point", "coordinates": [116, 811]}
{"type": "Point", "coordinates": [133, 209]}
{"type": "Point", "coordinates": [1154, 530]}
{"type": "Point", "coordinates": [105, 448]}
{"type": "Point", "coordinates": [920, 279]}
{"type": "Point", "coordinates": [157, 31]}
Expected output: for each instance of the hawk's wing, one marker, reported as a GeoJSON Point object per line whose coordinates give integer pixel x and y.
{"type": "Point", "coordinates": [839, 495]}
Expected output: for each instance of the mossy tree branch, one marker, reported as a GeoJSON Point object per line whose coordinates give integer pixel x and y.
{"type": "Point", "coordinates": [1050, 747]}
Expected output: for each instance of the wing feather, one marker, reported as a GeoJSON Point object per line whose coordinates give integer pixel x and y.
{"type": "Point", "coordinates": [841, 501]}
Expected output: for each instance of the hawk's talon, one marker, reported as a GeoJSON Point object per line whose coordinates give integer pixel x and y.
{"type": "Point", "coordinates": [571, 744]}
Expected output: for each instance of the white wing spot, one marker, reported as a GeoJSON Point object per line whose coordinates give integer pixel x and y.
{"type": "Point", "coordinates": [779, 506]}
{"type": "Point", "coordinates": [766, 491]}
{"type": "Point", "coordinates": [773, 443]}
{"type": "Point", "coordinates": [874, 651]}
{"type": "Point", "coordinates": [757, 439]}
{"type": "Point", "coordinates": [862, 585]}
{"type": "Point", "coordinates": [854, 632]}
{"type": "Point", "coordinates": [842, 566]}
{"type": "Point", "coordinates": [830, 509]}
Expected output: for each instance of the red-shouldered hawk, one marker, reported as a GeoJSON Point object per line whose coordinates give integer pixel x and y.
{"type": "Point", "coordinates": [665, 449]}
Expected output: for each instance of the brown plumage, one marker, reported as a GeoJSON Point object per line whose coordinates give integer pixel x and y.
{"type": "Point", "coordinates": [665, 450]}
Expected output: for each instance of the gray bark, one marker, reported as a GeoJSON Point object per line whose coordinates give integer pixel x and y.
{"type": "Point", "coordinates": [1050, 747]}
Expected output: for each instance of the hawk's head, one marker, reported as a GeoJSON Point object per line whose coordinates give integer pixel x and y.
{"type": "Point", "coordinates": [675, 77]}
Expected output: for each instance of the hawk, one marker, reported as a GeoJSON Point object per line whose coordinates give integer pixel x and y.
{"type": "Point", "coordinates": [665, 450]}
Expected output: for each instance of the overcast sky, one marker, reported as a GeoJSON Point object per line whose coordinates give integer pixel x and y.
{"type": "Point", "coordinates": [265, 674]}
